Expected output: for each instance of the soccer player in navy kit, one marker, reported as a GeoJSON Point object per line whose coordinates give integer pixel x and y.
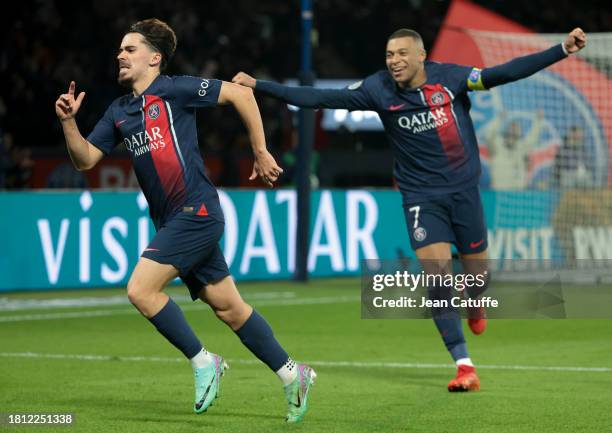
{"type": "Point", "coordinates": [424, 108]}
{"type": "Point", "coordinates": [156, 122]}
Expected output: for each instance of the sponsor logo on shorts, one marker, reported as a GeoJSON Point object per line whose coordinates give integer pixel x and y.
{"type": "Point", "coordinates": [420, 234]}
{"type": "Point", "coordinates": [476, 244]}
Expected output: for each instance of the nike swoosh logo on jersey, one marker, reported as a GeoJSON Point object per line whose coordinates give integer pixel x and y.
{"type": "Point", "coordinates": [151, 249]}
{"type": "Point", "coordinates": [396, 107]}
{"type": "Point", "coordinates": [476, 244]}
{"type": "Point", "coordinates": [120, 122]}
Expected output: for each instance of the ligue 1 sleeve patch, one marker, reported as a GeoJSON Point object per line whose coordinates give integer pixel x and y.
{"type": "Point", "coordinates": [355, 86]}
{"type": "Point", "coordinates": [474, 80]}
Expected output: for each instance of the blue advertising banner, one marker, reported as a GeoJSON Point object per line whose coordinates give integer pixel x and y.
{"type": "Point", "coordinates": [94, 239]}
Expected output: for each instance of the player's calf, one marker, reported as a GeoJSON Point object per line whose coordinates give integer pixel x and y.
{"type": "Point", "coordinates": [477, 316]}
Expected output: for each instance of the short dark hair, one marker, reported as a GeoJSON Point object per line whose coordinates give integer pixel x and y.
{"type": "Point", "coordinates": [406, 33]}
{"type": "Point", "coordinates": [159, 36]}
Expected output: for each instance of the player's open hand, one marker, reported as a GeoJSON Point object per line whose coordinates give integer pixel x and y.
{"type": "Point", "coordinates": [66, 107]}
{"type": "Point", "coordinates": [244, 80]}
{"type": "Point", "coordinates": [575, 41]}
{"type": "Point", "coordinates": [266, 168]}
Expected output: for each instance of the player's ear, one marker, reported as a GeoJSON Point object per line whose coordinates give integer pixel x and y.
{"type": "Point", "coordinates": [422, 55]}
{"type": "Point", "coordinates": [155, 59]}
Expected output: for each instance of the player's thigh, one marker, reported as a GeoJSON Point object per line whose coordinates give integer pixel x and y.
{"type": "Point", "coordinates": [185, 242]}
{"type": "Point", "coordinates": [428, 223]}
{"type": "Point", "coordinates": [213, 269]}
{"type": "Point", "coordinates": [468, 222]}
{"type": "Point", "coordinates": [150, 277]}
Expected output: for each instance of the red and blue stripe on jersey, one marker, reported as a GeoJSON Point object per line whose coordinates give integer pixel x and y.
{"type": "Point", "coordinates": [167, 159]}
{"type": "Point", "coordinates": [158, 129]}
{"type": "Point", "coordinates": [432, 135]}
{"type": "Point", "coordinates": [438, 97]}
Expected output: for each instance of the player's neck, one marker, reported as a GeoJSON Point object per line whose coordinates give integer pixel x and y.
{"type": "Point", "coordinates": [139, 86]}
{"type": "Point", "coordinates": [418, 80]}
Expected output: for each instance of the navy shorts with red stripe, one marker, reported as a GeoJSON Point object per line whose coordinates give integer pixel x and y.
{"type": "Point", "coordinates": [457, 218]}
{"type": "Point", "coordinates": [190, 243]}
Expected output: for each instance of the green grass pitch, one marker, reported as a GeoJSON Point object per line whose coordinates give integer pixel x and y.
{"type": "Point", "coordinates": [108, 366]}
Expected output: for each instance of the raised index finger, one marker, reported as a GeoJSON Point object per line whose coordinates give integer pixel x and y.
{"type": "Point", "coordinates": [71, 88]}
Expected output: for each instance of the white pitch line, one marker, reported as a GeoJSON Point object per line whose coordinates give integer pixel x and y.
{"type": "Point", "coordinates": [198, 306]}
{"type": "Point", "coordinates": [353, 364]}
{"type": "Point", "coordinates": [8, 304]}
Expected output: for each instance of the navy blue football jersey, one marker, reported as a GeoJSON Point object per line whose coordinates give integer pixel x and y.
{"type": "Point", "coordinates": [158, 129]}
{"type": "Point", "coordinates": [429, 127]}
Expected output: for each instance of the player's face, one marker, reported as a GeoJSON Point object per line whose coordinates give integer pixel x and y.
{"type": "Point", "coordinates": [135, 58]}
{"type": "Point", "coordinates": [405, 60]}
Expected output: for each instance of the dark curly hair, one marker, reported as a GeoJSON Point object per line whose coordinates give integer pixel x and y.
{"type": "Point", "coordinates": [159, 36]}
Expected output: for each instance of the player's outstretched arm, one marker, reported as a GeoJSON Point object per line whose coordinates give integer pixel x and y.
{"type": "Point", "coordinates": [84, 155]}
{"type": "Point", "coordinates": [242, 98]}
{"type": "Point", "coordinates": [525, 66]}
{"type": "Point", "coordinates": [308, 97]}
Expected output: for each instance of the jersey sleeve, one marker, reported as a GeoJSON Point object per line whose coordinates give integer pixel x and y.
{"type": "Point", "coordinates": [363, 93]}
{"type": "Point", "coordinates": [460, 78]}
{"type": "Point", "coordinates": [196, 92]}
{"type": "Point", "coordinates": [522, 67]}
{"type": "Point", "coordinates": [357, 96]}
{"type": "Point", "coordinates": [104, 135]}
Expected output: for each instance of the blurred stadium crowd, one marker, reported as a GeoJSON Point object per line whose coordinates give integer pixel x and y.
{"type": "Point", "coordinates": [47, 43]}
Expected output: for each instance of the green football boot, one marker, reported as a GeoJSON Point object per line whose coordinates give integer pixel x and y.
{"type": "Point", "coordinates": [208, 382]}
{"type": "Point", "coordinates": [297, 393]}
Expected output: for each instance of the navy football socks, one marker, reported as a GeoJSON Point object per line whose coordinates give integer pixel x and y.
{"type": "Point", "coordinates": [258, 337]}
{"type": "Point", "coordinates": [448, 322]}
{"type": "Point", "coordinates": [171, 323]}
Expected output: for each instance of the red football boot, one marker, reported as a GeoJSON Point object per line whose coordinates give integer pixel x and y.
{"type": "Point", "coordinates": [477, 319]}
{"type": "Point", "coordinates": [466, 380]}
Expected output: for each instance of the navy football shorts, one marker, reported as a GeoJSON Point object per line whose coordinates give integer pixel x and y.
{"type": "Point", "coordinates": [190, 243]}
{"type": "Point", "coordinates": [457, 218]}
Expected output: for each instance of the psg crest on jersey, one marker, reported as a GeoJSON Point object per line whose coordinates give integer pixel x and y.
{"type": "Point", "coordinates": [420, 234]}
{"type": "Point", "coordinates": [153, 111]}
{"type": "Point", "coordinates": [437, 98]}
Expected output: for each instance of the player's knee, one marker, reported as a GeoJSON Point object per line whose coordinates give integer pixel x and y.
{"type": "Point", "coordinates": [136, 293]}
{"type": "Point", "coordinates": [482, 280]}
{"type": "Point", "coordinates": [233, 315]}
{"type": "Point", "coordinates": [225, 315]}
{"type": "Point", "coordinates": [228, 315]}
{"type": "Point", "coordinates": [437, 266]}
